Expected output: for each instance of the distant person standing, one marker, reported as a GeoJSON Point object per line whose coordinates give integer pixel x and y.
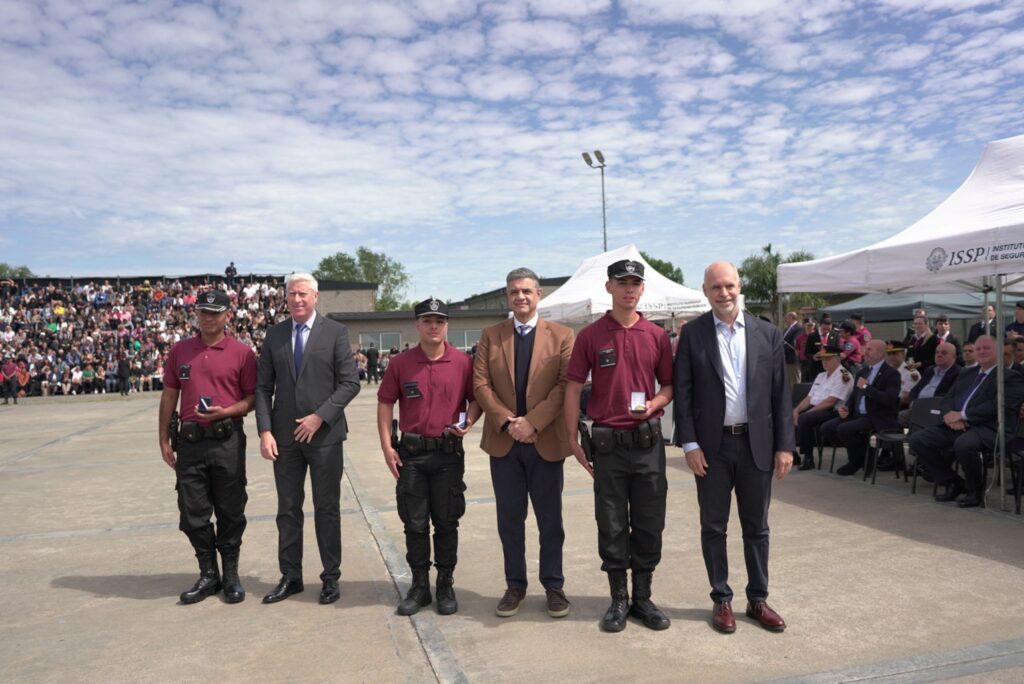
{"type": "Point", "coordinates": [372, 364]}
{"type": "Point", "coordinates": [307, 376]}
{"type": "Point", "coordinates": [9, 379]}
{"type": "Point", "coordinates": [215, 377]}
{"type": "Point", "coordinates": [230, 273]}
{"type": "Point", "coordinates": [124, 374]}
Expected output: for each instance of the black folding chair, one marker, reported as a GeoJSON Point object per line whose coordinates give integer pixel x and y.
{"type": "Point", "coordinates": [924, 413]}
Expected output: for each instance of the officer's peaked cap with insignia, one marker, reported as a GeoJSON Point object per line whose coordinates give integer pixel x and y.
{"type": "Point", "coordinates": [627, 268]}
{"type": "Point", "coordinates": [895, 346]}
{"type": "Point", "coordinates": [828, 351]}
{"type": "Point", "coordinates": [216, 301]}
{"type": "Point", "coordinates": [431, 307]}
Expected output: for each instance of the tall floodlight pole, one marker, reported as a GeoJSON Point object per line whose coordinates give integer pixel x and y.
{"type": "Point", "coordinates": [604, 211]}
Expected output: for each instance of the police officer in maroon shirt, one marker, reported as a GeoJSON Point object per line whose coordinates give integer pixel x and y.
{"type": "Point", "coordinates": [215, 377]}
{"type": "Point", "coordinates": [625, 354]}
{"type": "Point", "coordinates": [433, 385]}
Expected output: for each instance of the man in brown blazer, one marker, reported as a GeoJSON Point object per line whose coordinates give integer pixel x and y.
{"type": "Point", "coordinates": [519, 382]}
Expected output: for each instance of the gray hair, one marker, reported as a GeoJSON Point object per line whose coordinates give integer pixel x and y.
{"type": "Point", "coordinates": [519, 274]}
{"type": "Point", "coordinates": [301, 277]}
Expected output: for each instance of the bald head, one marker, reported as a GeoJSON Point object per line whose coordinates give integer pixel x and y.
{"type": "Point", "coordinates": [874, 352]}
{"type": "Point", "coordinates": [722, 288]}
{"type": "Point", "coordinates": [945, 355]}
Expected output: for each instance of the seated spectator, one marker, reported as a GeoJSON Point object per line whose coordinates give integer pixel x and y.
{"type": "Point", "coordinates": [896, 356]}
{"type": "Point", "coordinates": [921, 349]}
{"type": "Point", "coordinates": [968, 351]}
{"type": "Point", "coordinates": [970, 416]}
{"type": "Point", "coordinates": [935, 381]}
{"type": "Point", "coordinates": [1011, 357]}
{"type": "Point", "coordinates": [872, 407]}
{"type": "Point", "coordinates": [831, 388]}
{"type": "Point", "coordinates": [89, 380]}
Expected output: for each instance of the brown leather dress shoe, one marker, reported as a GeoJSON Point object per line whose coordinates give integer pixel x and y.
{"type": "Point", "coordinates": [769, 619]}
{"type": "Point", "coordinates": [722, 618]}
{"type": "Point", "coordinates": [558, 605]}
{"type": "Point", "coordinates": [509, 603]}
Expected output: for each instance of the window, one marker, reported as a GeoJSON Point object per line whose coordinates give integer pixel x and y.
{"type": "Point", "coordinates": [381, 340]}
{"type": "Point", "coordinates": [463, 339]}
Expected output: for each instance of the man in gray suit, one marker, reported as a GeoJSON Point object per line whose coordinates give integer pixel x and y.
{"type": "Point", "coordinates": [306, 377]}
{"type": "Point", "coordinates": [732, 404]}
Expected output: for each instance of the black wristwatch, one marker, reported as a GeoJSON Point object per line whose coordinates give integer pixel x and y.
{"type": "Point", "coordinates": [504, 426]}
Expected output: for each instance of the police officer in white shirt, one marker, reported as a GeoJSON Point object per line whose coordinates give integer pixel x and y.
{"type": "Point", "coordinates": [832, 387]}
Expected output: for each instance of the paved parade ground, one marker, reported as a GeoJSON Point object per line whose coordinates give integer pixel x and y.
{"type": "Point", "coordinates": [875, 583]}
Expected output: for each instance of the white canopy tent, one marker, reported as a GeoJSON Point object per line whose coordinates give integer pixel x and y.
{"type": "Point", "coordinates": [973, 241]}
{"type": "Point", "coordinates": [583, 297]}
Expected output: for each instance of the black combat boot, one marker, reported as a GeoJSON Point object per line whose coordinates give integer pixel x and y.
{"type": "Point", "coordinates": [208, 583]}
{"type": "Point", "coordinates": [233, 591]}
{"type": "Point", "coordinates": [419, 593]}
{"type": "Point", "coordinates": [614, 619]}
{"type": "Point", "coordinates": [641, 607]}
{"type": "Point", "coordinates": [446, 603]}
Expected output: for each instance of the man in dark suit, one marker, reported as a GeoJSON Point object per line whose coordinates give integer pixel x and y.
{"type": "Point", "coordinates": [823, 336]}
{"type": "Point", "coordinates": [372, 364]}
{"type": "Point", "coordinates": [519, 378]}
{"type": "Point", "coordinates": [872, 407]}
{"type": "Point", "coordinates": [306, 377]}
{"type": "Point", "coordinates": [970, 416]}
{"type": "Point", "coordinates": [733, 407]}
{"type": "Point", "coordinates": [986, 326]}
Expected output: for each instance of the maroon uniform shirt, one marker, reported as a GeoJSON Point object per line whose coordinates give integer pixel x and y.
{"type": "Point", "coordinates": [430, 394]}
{"type": "Point", "coordinates": [621, 361]}
{"type": "Point", "coordinates": [225, 371]}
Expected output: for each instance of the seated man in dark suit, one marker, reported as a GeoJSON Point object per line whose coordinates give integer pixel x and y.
{"type": "Point", "coordinates": [872, 408]}
{"type": "Point", "coordinates": [970, 414]}
{"type": "Point", "coordinates": [935, 380]}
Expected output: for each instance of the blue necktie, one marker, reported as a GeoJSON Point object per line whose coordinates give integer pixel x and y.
{"type": "Point", "coordinates": [524, 330]}
{"type": "Point", "coordinates": [960, 403]}
{"type": "Point", "coordinates": [299, 329]}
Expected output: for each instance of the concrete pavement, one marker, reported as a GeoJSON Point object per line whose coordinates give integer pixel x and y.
{"type": "Point", "coordinates": [875, 583]}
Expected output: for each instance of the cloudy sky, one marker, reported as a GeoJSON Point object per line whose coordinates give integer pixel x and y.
{"type": "Point", "coordinates": [170, 137]}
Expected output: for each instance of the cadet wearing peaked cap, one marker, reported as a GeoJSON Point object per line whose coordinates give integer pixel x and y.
{"type": "Point", "coordinates": [215, 377]}
{"type": "Point", "coordinates": [627, 357]}
{"type": "Point", "coordinates": [433, 386]}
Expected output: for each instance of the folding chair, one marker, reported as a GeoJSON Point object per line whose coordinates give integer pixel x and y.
{"type": "Point", "coordinates": [924, 413]}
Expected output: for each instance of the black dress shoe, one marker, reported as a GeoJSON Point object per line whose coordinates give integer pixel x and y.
{"type": "Point", "coordinates": [848, 469]}
{"type": "Point", "coordinates": [285, 588]}
{"type": "Point", "coordinates": [807, 463]}
{"type": "Point", "coordinates": [952, 492]}
{"type": "Point", "coordinates": [972, 500]}
{"type": "Point", "coordinates": [330, 593]}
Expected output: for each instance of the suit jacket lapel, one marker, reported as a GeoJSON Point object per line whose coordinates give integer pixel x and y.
{"type": "Point", "coordinates": [540, 337]}
{"type": "Point", "coordinates": [505, 335]}
{"type": "Point", "coordinates": [711, 335]}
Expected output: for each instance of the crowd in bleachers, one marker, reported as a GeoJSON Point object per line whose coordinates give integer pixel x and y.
{"type": "Point", "coordinates": [98, 336]}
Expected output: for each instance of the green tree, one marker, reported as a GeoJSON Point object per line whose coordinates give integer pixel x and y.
{"type": "Point", "coordinates": [665, 268]}
{"type": "Point", "coordinates": [9, 271]}
{"type": "Point", "coordinates": [368, 266]}
{"type": "Point", "coordinates": [759, 278]}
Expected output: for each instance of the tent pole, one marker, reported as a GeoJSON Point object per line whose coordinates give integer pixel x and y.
{"type": "Point", "coordinates": [1000, 395]}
